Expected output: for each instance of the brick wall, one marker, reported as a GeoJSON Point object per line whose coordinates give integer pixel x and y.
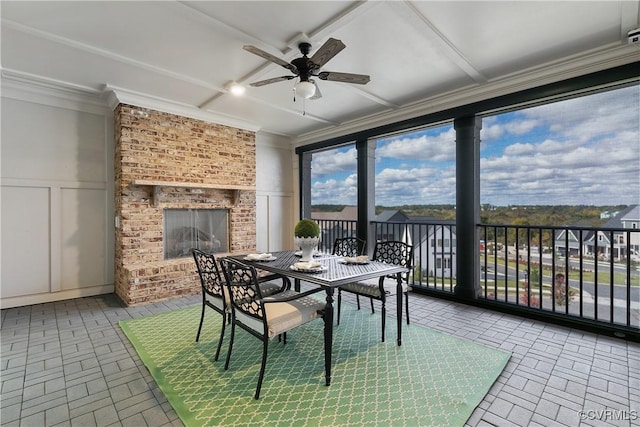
{"type": "Point", "coordinates": [156, 146]}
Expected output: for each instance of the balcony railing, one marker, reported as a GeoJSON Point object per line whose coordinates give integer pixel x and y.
{"type": "Point", "coordinates": [588, 274]}
{"type": "Point", "coordinates": [332, 229]}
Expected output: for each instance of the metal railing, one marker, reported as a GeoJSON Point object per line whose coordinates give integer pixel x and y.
{"type": "Point", "coordinates": [331, 229]}
{"type": "Point", "coordinates": [586, 273]}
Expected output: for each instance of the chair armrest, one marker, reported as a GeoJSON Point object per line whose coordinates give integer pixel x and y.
{"type": "Point", "coordinates": [290, 296]}
{"type": "Point", "coordinates": [286, 283]}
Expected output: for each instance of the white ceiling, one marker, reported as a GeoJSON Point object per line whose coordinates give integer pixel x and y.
{"type": "Point", "coordinates": [422, 56]}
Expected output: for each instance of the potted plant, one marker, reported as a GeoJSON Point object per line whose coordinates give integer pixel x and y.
{"type": "Point", "coordinates": [306, 237]}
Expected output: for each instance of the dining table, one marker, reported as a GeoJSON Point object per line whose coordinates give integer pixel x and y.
{"type": "Point", "coordinates": [333, 272]}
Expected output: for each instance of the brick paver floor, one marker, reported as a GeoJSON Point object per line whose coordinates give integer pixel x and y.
{"type": "Point", "coordinates": [68, 363]}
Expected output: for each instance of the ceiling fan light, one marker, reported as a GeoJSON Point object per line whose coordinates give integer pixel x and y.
{"type": "Point", "coordinates": [236, 89]}
{"type": "Point", "coordinates": [305, 89]}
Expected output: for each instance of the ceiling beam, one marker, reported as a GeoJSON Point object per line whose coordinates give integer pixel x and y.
{"type": "Point", "coordinates": [109, 55]}
{"type": "Point", "coordinates": [430, 32]}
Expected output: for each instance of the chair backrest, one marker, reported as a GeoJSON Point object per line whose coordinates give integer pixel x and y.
{"type": "Point", "coordinates": [348, 246]}
{"type": "Point", "coordinates": [210, 278]}
{"type": "Point", "coordinates": [242, 283]}
{"type": "Point", "coordinates": [393, 252]}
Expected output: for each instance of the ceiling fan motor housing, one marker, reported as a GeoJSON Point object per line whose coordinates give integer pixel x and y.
{"type": "Point", "coordinates": [306, 68]}
{"type": "Point", "coordinates": [305, 48]}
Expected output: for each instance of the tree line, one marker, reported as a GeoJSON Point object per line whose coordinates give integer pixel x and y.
{"type": "Point", "coordinates": [518, 215]}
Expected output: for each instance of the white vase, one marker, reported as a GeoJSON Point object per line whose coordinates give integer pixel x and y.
{"type": "Point", "coordinates": [308, 245]}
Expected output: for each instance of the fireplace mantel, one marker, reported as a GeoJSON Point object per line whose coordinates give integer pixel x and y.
{"type": "Point", "coordinates": [157, 184]}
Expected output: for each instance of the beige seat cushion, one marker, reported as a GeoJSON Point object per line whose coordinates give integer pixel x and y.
{"type": "Point", "coordinates": [284, 316]}
{"type": "Point", "coordinates": [269, 288]}
{"type": "Point", "coordinates": [371, 287]}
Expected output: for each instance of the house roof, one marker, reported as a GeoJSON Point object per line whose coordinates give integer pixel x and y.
{"type": "Point", "coordinates": [348, 213]}
{"type": "Point", "coordinates": [629, 213]}
{"type": "Point", "coordinates": [632, 215]}
{"type": "Point", "coordinates": [391, 215]}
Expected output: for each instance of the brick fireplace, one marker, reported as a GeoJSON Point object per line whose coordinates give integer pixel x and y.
{"type": "Point", "coordinates": [164, 161]}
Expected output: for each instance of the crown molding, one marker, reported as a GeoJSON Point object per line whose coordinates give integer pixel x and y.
{"type": "Point", "coordinates": [117, 95]}
{"type": "Point", "coordinates": [40, 90]}
{"type": "Point", "coordinates": [29, 87]}
{"type": "Point", "coordinates": [597, 60]}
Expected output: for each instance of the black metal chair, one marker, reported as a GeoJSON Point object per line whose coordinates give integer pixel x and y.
{"type": "Point", "coordinates": [390, 252]}
{"type": "Point", "coordinates": [265, 317]}
{"type": "Point", "coordinates": [215, 294]}
{"type": "Point", "coordinates": [349, 247]}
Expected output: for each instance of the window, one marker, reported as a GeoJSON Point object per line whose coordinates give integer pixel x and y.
{"type": "Point", "coordinates": [579, 151]}
{"type": "Point", "coordinates": [334, 179]}
{"type": "Point", "coordinates": [417, 168]}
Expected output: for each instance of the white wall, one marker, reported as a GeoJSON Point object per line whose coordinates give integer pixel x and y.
{"type": "Point", "coordinates": [56, 196]}
{"type": "Point", "coordinates": [275, 183]}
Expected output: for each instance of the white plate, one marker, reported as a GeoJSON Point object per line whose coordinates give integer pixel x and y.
{"type": "Point", "coordinates": [273, 258]}
{"type": "Point", "coordinates": [320, 269]}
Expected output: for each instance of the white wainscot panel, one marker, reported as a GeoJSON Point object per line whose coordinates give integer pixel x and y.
{"type": "Point", "coordinates": [280, 223]}
{"type": "Point", "coordinates": [25, 229]}
{"type": "Point", "coordinates": [83, 238]}
{"type": "Point", "coordinates": [262, 223]}
{"type": "Point", "coordinates": [274, 228]}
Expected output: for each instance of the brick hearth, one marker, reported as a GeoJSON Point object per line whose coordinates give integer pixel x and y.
{"type": "Point", "coordinates": [160, 161]}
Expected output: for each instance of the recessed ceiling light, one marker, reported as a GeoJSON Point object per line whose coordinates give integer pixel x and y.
{"type": "Point", "coordinates": [235, 88]}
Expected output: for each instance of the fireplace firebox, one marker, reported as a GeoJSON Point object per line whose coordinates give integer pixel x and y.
{"type": "Point", "coordinates": [186, 229]}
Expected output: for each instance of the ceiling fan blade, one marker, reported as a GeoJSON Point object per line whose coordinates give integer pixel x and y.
{"type": "Point", "coordinates": [327, 51]}
{"type": "Point", "coordinates": [269, 81]}
{"type": "Point", "coordinates": [269, 57]}
{"type": "Point", "coordinates": [360, 79]}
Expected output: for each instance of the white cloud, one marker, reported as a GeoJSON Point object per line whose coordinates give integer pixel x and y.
{"type": "Point", "coordinates": [332, 161]}
{"type": "Point", "coordinates": [493, 130]}
{"type": "Point", "coordinates": [603, 172]}
{"type": "Point", "coordinates": [415, 186]}
{"type": "Point", "coordinates": [591, 156]}
{"type": "Point", "coordinates": [433, 148]}
{"type": "Point", "coordinates": [580, 151]}
{"type": "Point", "coordinates": [332, 191]}
{"type": "Point", "coordinates": [519, 149]}
{"type": "Point", "coordinates": [520, 127]}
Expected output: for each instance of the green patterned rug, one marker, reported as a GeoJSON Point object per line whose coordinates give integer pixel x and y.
{"type": "Point", "coordinates": [433, 379]}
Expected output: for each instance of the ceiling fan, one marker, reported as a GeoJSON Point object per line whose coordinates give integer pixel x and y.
{"type": "Point", "coordinates": [304, 68]}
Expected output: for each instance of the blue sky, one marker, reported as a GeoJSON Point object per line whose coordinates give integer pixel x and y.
{"type": "Point", "coordinates": [579, 151]}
